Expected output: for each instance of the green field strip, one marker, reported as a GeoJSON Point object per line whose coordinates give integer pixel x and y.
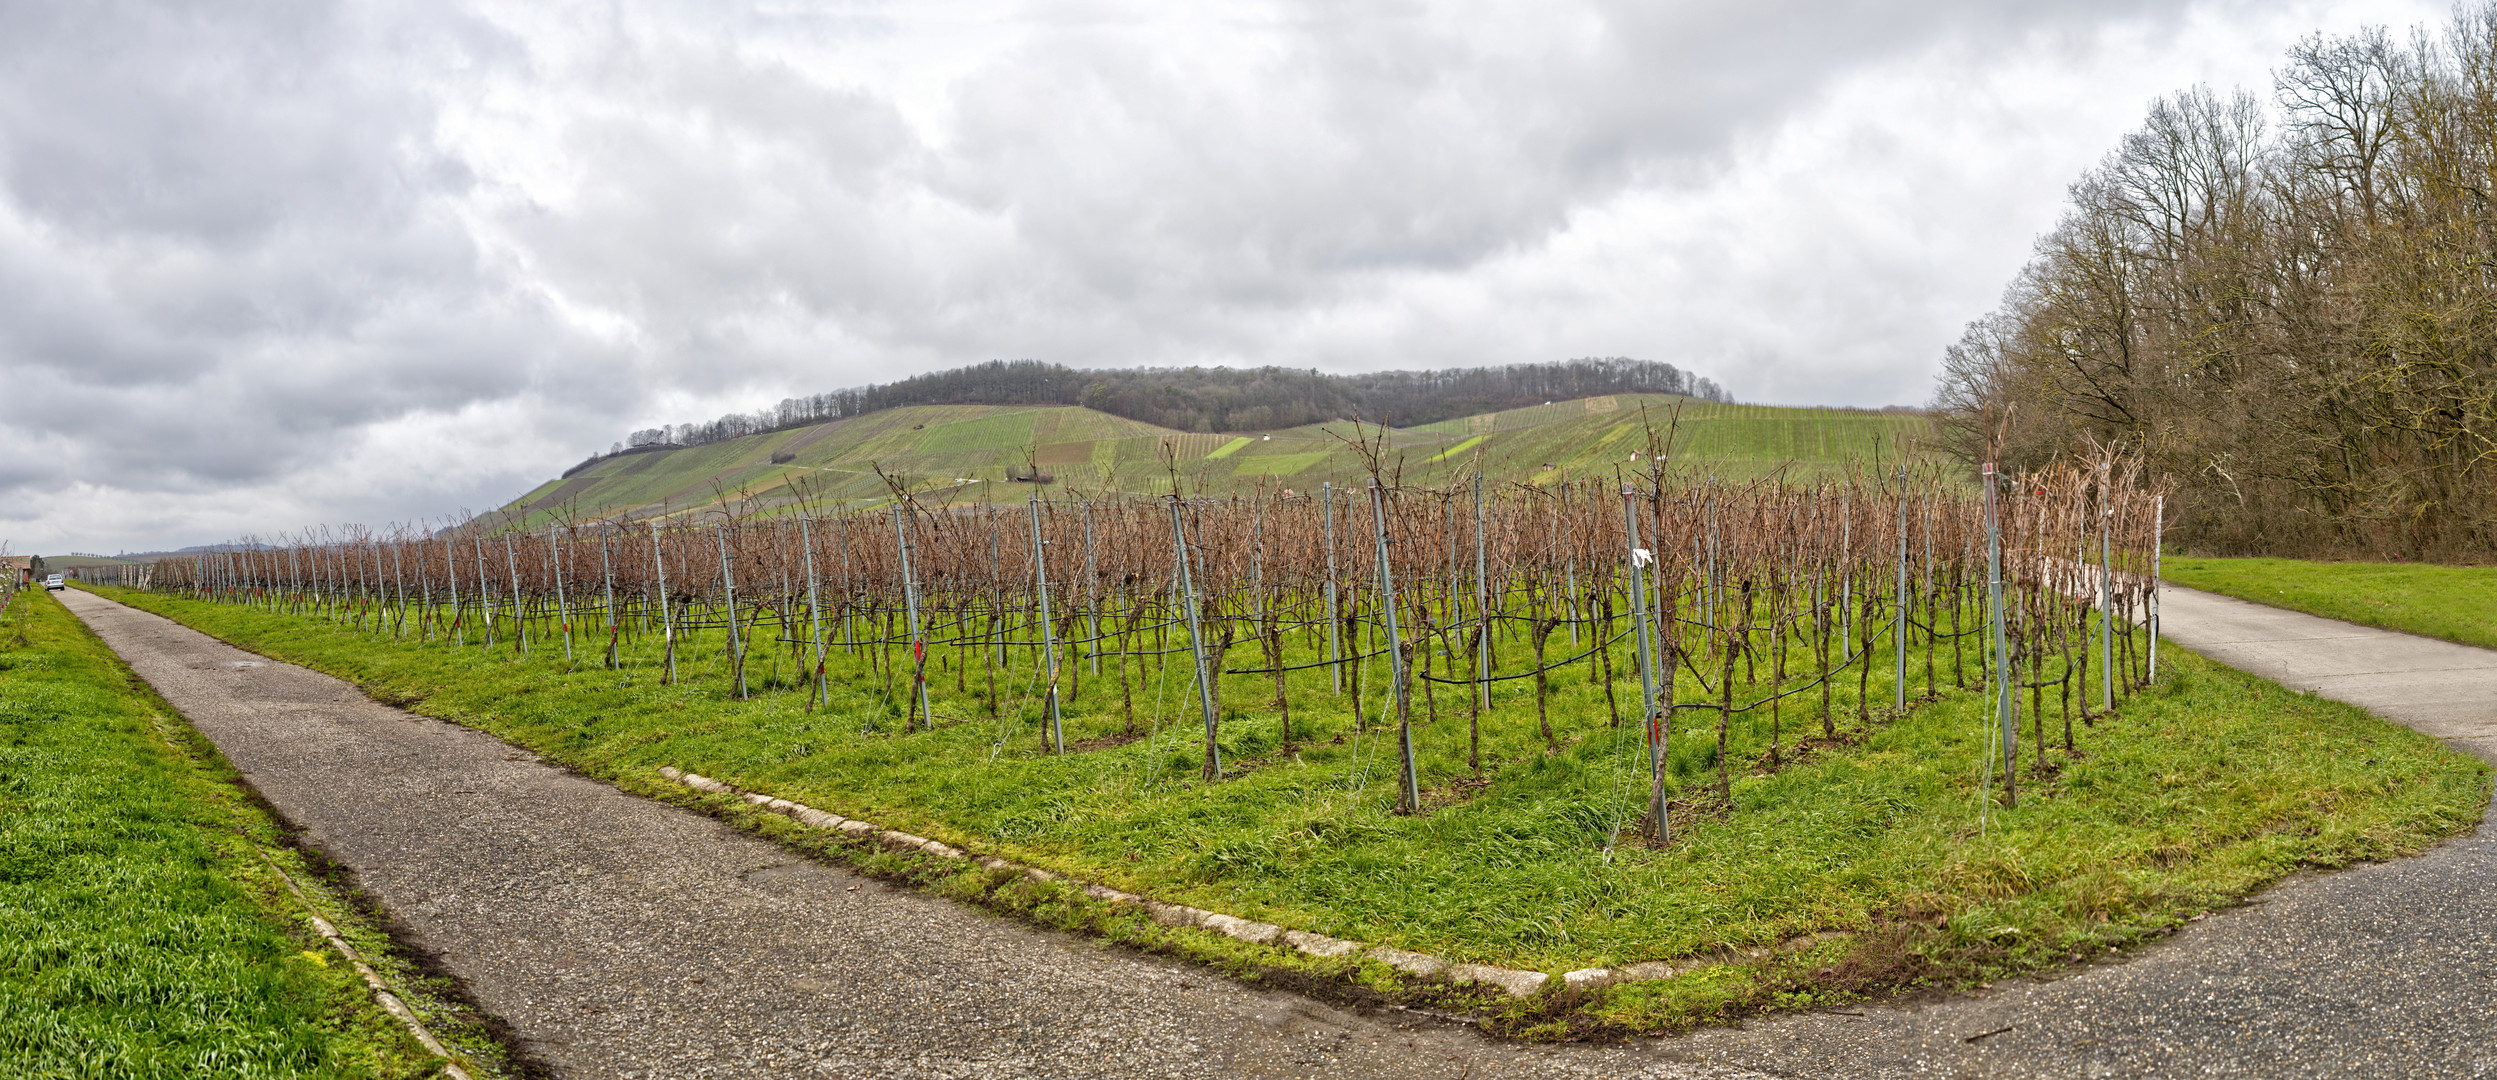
{"type": "Point", "coordinates": [1105, 456]}
{"type": "Point", "coordinates": [808, 437]}
{"type": "Point", "coordinates": [1278, 464]}
{"type": "Point", "coordinates": [536, 493]}
{"type": "Point", "coordinates": [636, 465]}
{"type": "Point", "coordinates": [1194, 444]}
{"type": "Point", "coordinates": [1459, 448]}
{"type": "Point", "coordinates": [883, 442]}
{"type": "Point", "coordinates": [566, 490]}
{"type": "Point", "coordinates": [1063, 453]}
{"type": "Point", "coordinates": [989, 433]}
{"type": "Point", "coordinates": [707, 487]}
{"type": "Point", "coordinates": [1229, 448]}
{"type": "Point", "coordinates": [1076, 424]}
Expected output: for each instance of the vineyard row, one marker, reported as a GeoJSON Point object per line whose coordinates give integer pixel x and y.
{"type": "Point", "coordinates": [1725, 601]}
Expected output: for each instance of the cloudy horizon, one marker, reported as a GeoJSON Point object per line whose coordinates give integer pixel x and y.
{"type": "Point", "coordinates": [273, 265]}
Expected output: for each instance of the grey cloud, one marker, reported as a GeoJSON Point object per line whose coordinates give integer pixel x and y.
{"type": "Point", "coordinates": [1140, 196]}
{"type": "Point", "coordinates": [1399, 140]}
{"type": "Point", "coordinates": [239, 239]}
{"type": "Point", "coordinates": [215, 124]}
{"type": "Point", "coordinates": [235, 244]}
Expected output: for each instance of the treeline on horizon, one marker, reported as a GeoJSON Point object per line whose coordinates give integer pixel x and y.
{"type": "Point", "coordinates": [1214, 399]}
{"type": "Point", "coordinates": [2286, 308]}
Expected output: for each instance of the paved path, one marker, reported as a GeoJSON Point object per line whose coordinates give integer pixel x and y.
{"type": "Point", "coordinates": [2443, 689]}
{"type": "Point", "coordinates": [622, 937]}
{"type": "Point", "coordinates": [626, 938]}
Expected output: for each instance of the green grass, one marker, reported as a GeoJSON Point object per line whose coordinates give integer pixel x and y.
{"type": "Point", "coordinates": [1279, 464]}
{"type": "Point", "coordinates": [2456, 603]}
{"type": "Point", "coordinates": [1005, 431]}
{"type": "Point", "coordinates": [2205, 788]}
{"type": "Point", "coordinates": [141, 934]}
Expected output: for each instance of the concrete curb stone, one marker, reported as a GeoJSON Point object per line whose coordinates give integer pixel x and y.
{"type": "Point", "coordinates": [1515, 982]}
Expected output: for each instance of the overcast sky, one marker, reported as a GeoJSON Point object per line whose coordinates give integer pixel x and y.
{"type": "Point", "coordinates": [272, 263]}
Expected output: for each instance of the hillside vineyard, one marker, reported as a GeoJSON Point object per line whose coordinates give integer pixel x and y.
{"type": "Point", "coordinates": [1753, 616]}
{"type": "Point", "coordinates": [997, 454]}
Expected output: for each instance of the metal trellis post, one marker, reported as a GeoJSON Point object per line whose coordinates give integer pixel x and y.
{"type": "Point", "coordinates": [1196, 642]}
{"type": "Point", "coordinates": [1048, 633]}
{"type": "Point", "coordinates": [1408, 776]}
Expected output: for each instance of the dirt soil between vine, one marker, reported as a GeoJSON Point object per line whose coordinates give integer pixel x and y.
{"type": "Point", "coordinates": [622, 937]}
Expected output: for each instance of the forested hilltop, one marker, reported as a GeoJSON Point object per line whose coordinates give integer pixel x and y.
{"type": "Point", "coordinates": [1216, 399]}
{"type": "Point", "coordinates": [2287, 306]}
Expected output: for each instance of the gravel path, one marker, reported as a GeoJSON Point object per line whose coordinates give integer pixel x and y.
{"type": "Point", "coordinates": [625, 938]}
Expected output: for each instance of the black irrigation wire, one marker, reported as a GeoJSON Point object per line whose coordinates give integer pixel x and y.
{"type": "Point", "coordinates": [1763, 701]}
{"type": "Point", "coordinates": [1302, 667]}
{"type": "Point", "coordinates": [1553, 666]}
{"type": "Point", "coordinates": [1938, 635]}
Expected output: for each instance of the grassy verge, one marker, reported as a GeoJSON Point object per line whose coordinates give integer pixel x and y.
{"type": "Point", "coordinates": [2456, 603]}
{"type": "Point", "coordinates": [1852, 866]}
{"type": "Point", "coordinates": [142, 933]}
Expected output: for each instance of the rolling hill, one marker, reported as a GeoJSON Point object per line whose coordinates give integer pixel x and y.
{"type": "Point", "coordinates": [987, 453]}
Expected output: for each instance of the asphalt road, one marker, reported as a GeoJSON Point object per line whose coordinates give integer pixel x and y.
{"type": "Point", "coordinates": [620, 937]}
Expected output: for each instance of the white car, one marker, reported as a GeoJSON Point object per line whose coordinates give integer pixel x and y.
{"type": "Point", "coordinates": [56, 582]}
